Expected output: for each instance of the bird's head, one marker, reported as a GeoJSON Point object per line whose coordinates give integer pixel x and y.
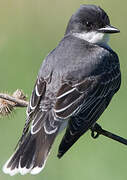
{"type": "Point", "coordinates": [91, 23]}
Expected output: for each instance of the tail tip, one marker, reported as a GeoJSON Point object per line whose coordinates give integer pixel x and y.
{"type": "Point", "coordinates": [22, 171]}
{"type": "Point", "coordinates": [59, 155]}
{"type": "Point", "coordinates": [36, 170]}
{"type": "Point", "coordinates": [8, 170]}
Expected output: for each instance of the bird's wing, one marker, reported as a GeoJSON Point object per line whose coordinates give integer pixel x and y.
{"type": "Point", "coordinates": [84, 102]}
{"type": "Point", "coordinates": [35, 144]}
{"type": "Point", "coordinates": [71, 97]}
{"type": "Point", "coordinates": [37, 94]}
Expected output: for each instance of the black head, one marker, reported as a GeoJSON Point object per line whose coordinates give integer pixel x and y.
{"type": "Point", "coordinates": [90, 18]}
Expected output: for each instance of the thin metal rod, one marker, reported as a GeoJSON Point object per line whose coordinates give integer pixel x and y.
{"type": "Point", "coordinates": [97, 128]}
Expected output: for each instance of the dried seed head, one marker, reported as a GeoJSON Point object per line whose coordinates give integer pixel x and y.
{"type": "Point", "coordinates": [6, 107]}
{"type": "Point", "coordinates": [19, 94]}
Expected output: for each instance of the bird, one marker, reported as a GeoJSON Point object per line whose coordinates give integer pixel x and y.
{"type": "Point", "coordinates": [74, 86]}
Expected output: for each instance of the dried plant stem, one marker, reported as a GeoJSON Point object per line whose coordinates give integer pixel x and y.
{"type": "Point", "coordinates": [18, 102]}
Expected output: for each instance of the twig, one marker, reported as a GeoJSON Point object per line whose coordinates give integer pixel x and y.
{"type": "Point", "coordinates": [18, 102]}
{"type": "Point", "coordinates": [98, 129]}
{"type": "Point", "coordinates": [9, 102]}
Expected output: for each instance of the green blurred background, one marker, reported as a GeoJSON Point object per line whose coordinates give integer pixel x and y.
{"type": "Point", "coordinates": [29, 30]}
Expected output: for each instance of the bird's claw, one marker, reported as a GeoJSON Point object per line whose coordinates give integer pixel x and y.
{"type": "Point", "coordinates": [94, 134]}
{"type": "Point", "coordinates": [95, 131]}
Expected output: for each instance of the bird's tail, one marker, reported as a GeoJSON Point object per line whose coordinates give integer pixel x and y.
{"type": "Point", "coordinates": [31, 155]}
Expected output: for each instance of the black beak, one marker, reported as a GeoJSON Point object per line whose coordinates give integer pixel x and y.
{"type": "Point", "coordinates": [109, 29]}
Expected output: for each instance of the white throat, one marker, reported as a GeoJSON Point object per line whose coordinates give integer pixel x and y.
{"type": "Point", "coordinates": [93, 37]}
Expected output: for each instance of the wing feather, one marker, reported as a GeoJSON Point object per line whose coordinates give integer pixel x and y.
{"type": "Point", "coordinates": [68, 102]}
{"type": "Point", "coordinates": [37, 94]}
{"type": "Point", "coordinates": [96, 93]}
{"type": "Point", "coordinates": [38, 91]}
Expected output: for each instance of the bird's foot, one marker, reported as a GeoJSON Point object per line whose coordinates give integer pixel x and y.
{"type": "Point", "coordinates": [96, 130]}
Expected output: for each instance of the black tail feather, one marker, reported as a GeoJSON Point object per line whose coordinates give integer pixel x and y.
{"type": "Point", "coordinates": [31, 154]}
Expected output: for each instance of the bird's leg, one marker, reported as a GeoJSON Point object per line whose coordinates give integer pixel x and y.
{"type": "Point", "coordinates": [96, 130]}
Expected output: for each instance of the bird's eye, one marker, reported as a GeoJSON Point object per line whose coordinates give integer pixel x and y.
{"type": "Point", "coordinates": [88, 24]}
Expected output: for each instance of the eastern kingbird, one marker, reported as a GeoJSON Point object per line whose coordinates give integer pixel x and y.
{"type": "Point", "coordinates": [75, 84]}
